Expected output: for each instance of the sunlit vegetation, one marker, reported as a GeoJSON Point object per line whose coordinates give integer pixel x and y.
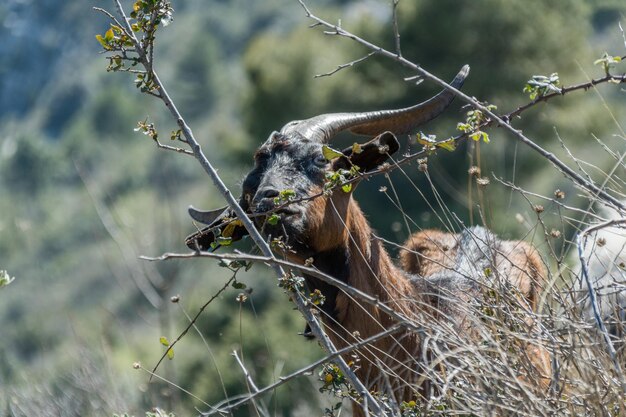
{"type": "Point", "coordinates": [83, 195]}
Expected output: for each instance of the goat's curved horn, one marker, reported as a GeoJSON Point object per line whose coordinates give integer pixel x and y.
{"type": "Point", "coordinates": [205, 217]}
{"type": "Point", "coordinates": [401, 121]}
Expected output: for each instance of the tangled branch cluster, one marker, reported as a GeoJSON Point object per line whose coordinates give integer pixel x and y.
{"type": "Point", "coordinates": [495, 376]}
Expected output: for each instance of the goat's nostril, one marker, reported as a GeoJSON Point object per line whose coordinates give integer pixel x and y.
{"type": "Point", "coordinates": [268, 192]}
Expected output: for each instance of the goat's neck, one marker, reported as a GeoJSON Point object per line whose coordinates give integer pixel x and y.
{"type": "Point", "coordinates": [361, 261]}
{"type": "Point", "coordinates": [371, 268]}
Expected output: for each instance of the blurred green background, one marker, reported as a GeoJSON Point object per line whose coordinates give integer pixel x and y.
{"type": "Point", "coordinates": [82, 195]}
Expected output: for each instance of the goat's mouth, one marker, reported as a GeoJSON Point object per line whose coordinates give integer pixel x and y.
{"type": "Point", "coordinates": [283, 215]}
{"type": "Point", "coordinates": [263, 213]}
{"type": "Point", "coordinates": [288, 211]}
{"type": "Point", "coordinates": [283, 221]}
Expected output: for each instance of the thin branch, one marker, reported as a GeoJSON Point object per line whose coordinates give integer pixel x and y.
{"type": "Point", "coordinates": [396, 30]}
{"type": "Point", "coordinates": [152, 374]}
{"type": "Point", "coordinates": [552, 200]}
{"type": "Point", "coordinates": [209, 350]}
{"type": "Point", "coordinates": [245, 372]}
{"type": "Point", "coordinates": [309, 368]}
{"type": "Point", "coordinates": [173, 148]}
{"type": "Point", "coordinates": [125, 246]}
{"type": "Point", "coordinates": [565, 90]}
{"type": "Point", "coordinates": [191, 322]}
{"type": "Point", "coordinates": [499, 121]}
{"type": "Point", "coordinates": [234, 205]}
{"type": "Point", "coordinates": [113, 18]}
{"type": "Point", "coordinates": [353, 292]}
{"type": "Point", "coordinates": [249, 382]}
{"type": "Point", "coordinates": [342, 66]}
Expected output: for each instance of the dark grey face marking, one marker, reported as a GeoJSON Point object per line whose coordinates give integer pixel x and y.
{"type": "Point", "coordinates": [284, 163]}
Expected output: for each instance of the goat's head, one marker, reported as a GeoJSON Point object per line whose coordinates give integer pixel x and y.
{"type": "Point", "coordinates": [293, 166]}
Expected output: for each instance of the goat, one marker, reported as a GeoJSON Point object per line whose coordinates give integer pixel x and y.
{"type": "Point", "coordinates": [441, 272]}
{"type": "Point", "coordinates": [605, 254]}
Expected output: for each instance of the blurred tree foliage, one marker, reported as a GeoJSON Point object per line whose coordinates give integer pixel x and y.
{"type": "Point", "coordinates": [196, 85]}
{"type": "Point", "coordinates": [237, 76]}
{"type": "Point", "coordinates": [440, 35]}
{"type": "Point", "coordinates": [505, 44]}
{"type": "Point", "coordinates": [33, 167]}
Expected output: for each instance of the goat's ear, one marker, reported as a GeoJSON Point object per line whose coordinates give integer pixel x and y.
{"type": "Point", "coordinates": [372, 154]}
{"type": "Point", "coordinates": [221, 223]}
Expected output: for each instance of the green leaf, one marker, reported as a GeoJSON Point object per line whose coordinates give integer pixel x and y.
{"type": "Point", "coordinates": [170, 353]}
{"type": "Point", "coordinates": [478, 135]}
{"type": "Point", "coordinates": [356, 148]}
{"type": "Point", "coordinates": [225, 263]}
{"type": "Point", "coordinates": [330, 153]}
{"type": "Point", "coordinates": [273, 219]}
{"type": "Point", "coordinates": [346, 188]}
{"type": "Point", "coordinates": [109, 35]}
{"type": "Point", "coordinates": [102, 41]}
{"type": "Point", "coordinates": [239, 285]}
{"type": "Point", "coordinates": [224, 241]}
{"type": "Point", "coordinates": [287, 194]}
{"type": "Point", "coordinates": [448, 145]}
{"type": "Point", "coordinates": [230, 228]}
{"type": "Point", "coordinates": [5, 278]}
{"type": "Point", "coordinates": [164, 341]}
{"type": "Point", "coordinates": [425, 140]}
{"type": "Point", "coordinates": [464, 127]}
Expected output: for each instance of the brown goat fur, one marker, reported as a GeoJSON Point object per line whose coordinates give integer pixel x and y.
{"type": "Point", "coordinates": [445, 279]}
{"type": "Point", "coordinates": [441, 277]}
{"type": "Point", "coordinates": [429, 252]}
{"type": "Point", "coordinates": [413, 290]}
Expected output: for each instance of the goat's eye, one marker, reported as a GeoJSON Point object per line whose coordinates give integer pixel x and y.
{"type": "Point", "coordinates": [320, 161]}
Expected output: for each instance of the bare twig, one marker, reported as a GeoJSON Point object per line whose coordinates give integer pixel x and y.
{"type": "Point", "coordinates": [145, 58]}
{"type": "Point", "coordinates": [173, 148]}
{"type": "Point", "coordinates": [550, 199]}
{"type": "Point", "coordinates": [396, 30]}
{"type": "Point", "coordinates": [499, 121]}
{"type": "Point", "coordinates": [192, 322]}
{"type": "Point", "coordinates": [126, 247]}
{"type": "Point", "coordinates": [566, 90]}
{"type": "Point", "coordinates": [208, 348]}
{"type": "Point", "coordinates": [113, 18]}
{"type": "Point", "coordinates": [305, 370]}
{"type": "Point", "coordinates": [159, 377]}
{"type": "Point", "coordinates": [270, 260]}
{"type": "Point", "coordinates": [343, 66]}
{"type": "Point", "coordinates": [249, 382]}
